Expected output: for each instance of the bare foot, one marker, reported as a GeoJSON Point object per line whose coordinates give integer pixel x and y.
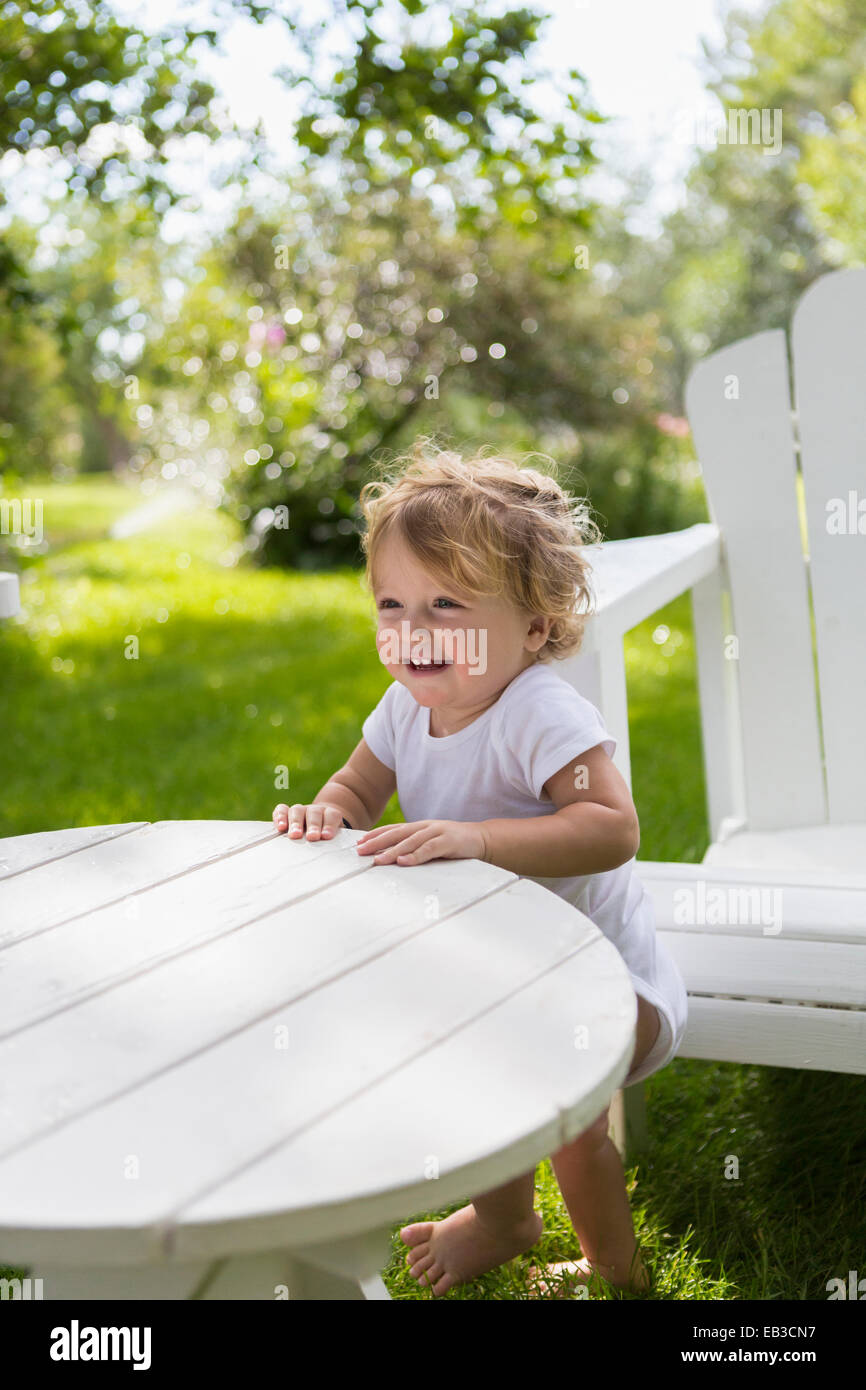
{"type": "Point", "coordinates": [458, 1249]}
{"type": "Point", "coordinates": [559, 1279]}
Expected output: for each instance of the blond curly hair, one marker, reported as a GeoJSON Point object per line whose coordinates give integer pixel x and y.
{"type": "Point", "coordinates": [488, 526]}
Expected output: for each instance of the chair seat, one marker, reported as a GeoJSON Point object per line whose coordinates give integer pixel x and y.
{"type": "Point", "coordinates": [769, 968]}
{"type": "Point", "coordinates": [813, 847]}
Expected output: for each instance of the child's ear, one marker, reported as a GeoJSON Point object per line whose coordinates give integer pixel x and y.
{"type": "Point", "coordinates": [539, 631]}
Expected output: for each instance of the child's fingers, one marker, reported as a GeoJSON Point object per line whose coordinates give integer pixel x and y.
{"type": "Point", "coordinates": [315, 820]}
{"type": "Point", "coordinates": [332, 822]}
{"type": "Point", "coordinates": [378, 839]}
{"type": "Point", "coordinates": [322, 821]}
{"type": "Point", "coordinates": [319, 821]}
{"type": "Point", "coordinates": [388, 851]}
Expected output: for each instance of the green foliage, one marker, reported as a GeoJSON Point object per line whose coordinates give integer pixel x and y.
{"type": "Point", "coordinates": [758, 227]}
{"type": "Point", "coordinates": [434, 265]}
{"type": "Point", "coordinates": [392, 323]}
{"type": "Point", "coordinates": [453, 233]}
{"type": "Point", "coordinates": [453, 105]}
{"type": "Point", "coordinates": [62, 400]}
{"type": "Point", "coordinates": [100, 100]}
{"type": "Point", "coordinates": [640, 482]}
{"type": "Point", "coordinates": [69, 69]}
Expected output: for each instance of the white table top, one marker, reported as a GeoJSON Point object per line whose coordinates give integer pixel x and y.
{"type": "Point", "coordinates": [214, 1039]}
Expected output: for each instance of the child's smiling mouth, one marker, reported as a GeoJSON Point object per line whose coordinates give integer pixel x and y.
{"type": "Point", "coordinates": [426, 668]}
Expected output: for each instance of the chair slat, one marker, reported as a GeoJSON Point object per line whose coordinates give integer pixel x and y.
{"type": "Point", "coordinates": [739, 407]}
{"type": "Point", "coordinates": [792, 972]}
{"type": "Point", "coordinates": [810, 905]}
{"type": "Point", "coordinates": [829, 353]}
{"type": "Point", "coordinates": [776, 1035]}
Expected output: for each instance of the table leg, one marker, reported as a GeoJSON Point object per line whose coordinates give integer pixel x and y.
{"type": "Point", "coordinates": [351, 1263]}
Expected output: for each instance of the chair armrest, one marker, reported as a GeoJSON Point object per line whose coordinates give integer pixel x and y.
{"type": "Point", "coordinates": [632, 579]}
{"type": "Point", "coordinates": [10, 602]}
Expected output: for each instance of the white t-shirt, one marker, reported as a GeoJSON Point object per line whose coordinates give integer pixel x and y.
{"type": "Point", "coordinates": [496, 767]}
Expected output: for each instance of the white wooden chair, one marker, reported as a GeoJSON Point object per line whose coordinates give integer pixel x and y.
{"type": "Point", "coordinates": [784, 742]}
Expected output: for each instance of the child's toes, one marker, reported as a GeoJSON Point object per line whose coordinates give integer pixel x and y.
{"type": "Point", "coordinates": [417, 1267]}
{"type": "Point", "coordinates": [415, 1253]}
{"type": "Point", "coordinates": [433, 1275]}
{"type": "Point", "coordinates": [443, 1283]}
{"type": "Point", "coordinates": [419, 1232]}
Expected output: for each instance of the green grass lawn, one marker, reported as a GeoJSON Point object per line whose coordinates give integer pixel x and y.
{"type": "Point", "coordinates": [241, 672]}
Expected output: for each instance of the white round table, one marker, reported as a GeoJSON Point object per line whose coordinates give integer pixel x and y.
{"type": "Point", "coordinates": [231, 1063]}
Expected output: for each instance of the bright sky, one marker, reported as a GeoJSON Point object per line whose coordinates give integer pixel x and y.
{"type": "Point", "coordinates": [642, 59]}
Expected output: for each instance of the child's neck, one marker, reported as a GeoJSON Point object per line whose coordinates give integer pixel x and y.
{"type": "Point", "coordinates": [455, 720]}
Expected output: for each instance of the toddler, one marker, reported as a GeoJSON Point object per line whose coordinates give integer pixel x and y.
{"type": "Point", "coordinates": [480, 584]}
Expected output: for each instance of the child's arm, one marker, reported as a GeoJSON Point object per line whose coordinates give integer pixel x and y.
{"type": "Point", "coordinates": [595, 827]}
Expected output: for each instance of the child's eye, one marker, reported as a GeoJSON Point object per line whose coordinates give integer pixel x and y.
{"type": "Point", "coordinates": [390, 602]}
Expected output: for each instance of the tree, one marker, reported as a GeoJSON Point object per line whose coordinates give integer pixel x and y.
{"type": "Point", "coordinates": [758, 227]}
{"type": "Point", "coordinates": [103, 96]}
{"type": "Point", "coordinates": [452, 232]}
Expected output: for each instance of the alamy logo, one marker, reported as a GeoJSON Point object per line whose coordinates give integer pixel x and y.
{"type": "Point", "coordinates": [21, 518]}
{"type": "Point", "coordinates": [738, 125]}
{"type": "Point", "coordinates": [836, 1287]}
{"type": "Point", "coordinates": [703, 906]}
{"type": "Point", "coordinates": [75, 1343]}
{"type": "Point", "coordinates": [467, 646]}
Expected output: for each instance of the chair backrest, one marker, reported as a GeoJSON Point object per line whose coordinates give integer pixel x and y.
{"type": "Point", "coordinates": [748, 437]}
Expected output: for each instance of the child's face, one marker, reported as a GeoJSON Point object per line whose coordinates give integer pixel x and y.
{"type": "Point", "coordinates": [477, 645]}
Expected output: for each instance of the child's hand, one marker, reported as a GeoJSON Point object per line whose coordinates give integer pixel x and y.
{"type": "Point", "coordinates": [321, 820]}
{"type": "Point", "coordinates": [421, 840]}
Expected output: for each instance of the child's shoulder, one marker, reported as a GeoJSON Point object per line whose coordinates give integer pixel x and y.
{"type": "Point", "coordinates": [538, 688]}
{"type": "Point", "coordinates": [544, 723]}
{"type": "Point", "coordinates": [539, 703]}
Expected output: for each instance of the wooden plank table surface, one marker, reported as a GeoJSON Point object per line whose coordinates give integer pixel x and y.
{"type": "Point", "coordinates": [231, 1063]}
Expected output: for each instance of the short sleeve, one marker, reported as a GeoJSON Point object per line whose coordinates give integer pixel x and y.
{"type": "Point", "coordinates": [548, 727]}
{"type": "Point", "coordinates": [378, 728]}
